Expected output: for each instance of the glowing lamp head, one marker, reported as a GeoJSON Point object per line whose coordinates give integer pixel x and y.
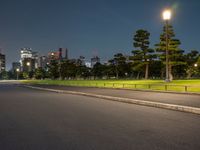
{"type": "Point", "coordinates": [167, 14]}
{"type": "Point", "coordinates": [17, 69]}
{"type": "Point", "coordinates": [28, 63]}
{"type": "Point", "coordinates": [195, 65]}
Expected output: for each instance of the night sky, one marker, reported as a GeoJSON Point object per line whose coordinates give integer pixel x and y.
{"type": "Point", "coordinates": [91, 27]}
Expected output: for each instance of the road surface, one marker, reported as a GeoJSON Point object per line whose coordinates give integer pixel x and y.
{"type": "Point", "coordinates": [41, 120]}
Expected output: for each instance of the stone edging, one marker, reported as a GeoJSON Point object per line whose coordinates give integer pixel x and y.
{"type": "Point", "coordinates": [181, 108]}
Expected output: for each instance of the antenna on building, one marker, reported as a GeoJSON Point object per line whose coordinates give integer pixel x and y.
{"type": "Point", "coordinates": [66, 53]}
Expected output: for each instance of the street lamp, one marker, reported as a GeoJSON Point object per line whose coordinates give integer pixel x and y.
{"type": "Point", "coordinates": [17, 70]}
{"type": "Point", "coordinates": [195, 65]}
{"type": "Point", "coordinates": [166, 17]}
{"type": "Point", "coordinates": [28, 64]}
{"type": "Point", "coordinates": [167, 14]}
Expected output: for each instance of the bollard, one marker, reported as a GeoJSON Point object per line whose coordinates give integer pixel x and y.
{"type": "Point", "coordinates": [186, 89]}
{"type": "Point", "coordinates": [165, 87]}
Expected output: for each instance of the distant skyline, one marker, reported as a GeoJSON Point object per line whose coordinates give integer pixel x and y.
{"type": "Point", "coordinates": [92, 27]}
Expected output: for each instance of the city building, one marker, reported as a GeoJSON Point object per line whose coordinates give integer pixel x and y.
{"type": "Point", "coordinates": [94, 60]}
{"type": "Point", "coordinates": [27, 56]}
{"type": "Point", "coordinates": [28, 64]}
{"type": "Point", "coordinates": [26, 53]}
{"type": "Point", "coordinates": [66, 54]}
{"type": "Point", "coordinates": [15, 66]}
{"type": "Point", "coordinates": [55, 55]}
{"type": "Point", "coordinates": [42, 62]}
{"type": "Point", "coordinates": [88, 64]}
{"type": "Point", "coordinates": [2, 62]}
{"type": "Point", "coordinates": [82, 60]}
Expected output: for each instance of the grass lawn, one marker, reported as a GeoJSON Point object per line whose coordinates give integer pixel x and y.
{"type": "Point", "coordinates": [176, 85]}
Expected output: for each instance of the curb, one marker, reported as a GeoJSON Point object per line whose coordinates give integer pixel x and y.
{"type": "Point", "coordinates": [181, 108]}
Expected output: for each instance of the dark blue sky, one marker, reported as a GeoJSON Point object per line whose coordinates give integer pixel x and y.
{"type": "Point", "coordinates": [91, 27]}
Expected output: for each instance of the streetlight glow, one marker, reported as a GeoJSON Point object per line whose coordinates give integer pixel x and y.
{"type": "Point", "coordinates": [167, 14]}
{"type": "Point", "coordinates": [195, 65]}
{"type": "Point", "coordinates": [28, 63]}
{"type": "Point", "coordinates": [18, 70]}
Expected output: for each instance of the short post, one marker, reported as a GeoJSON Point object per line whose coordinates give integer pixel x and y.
{"type": "Point", "coordinates": [104, 84]}
{"type": "Point", "coordinates": [135, 86]}
{"type": "Point", "coordinates": [113, 85]}
{"type": "Point", "coordinates": [123, 85]}
{"type": "Point", "coordinates": [165, 87]}
{"type": "Point", "coordinates": [149, 86]}
{"type": "Point", "coordinates": [186, 88]}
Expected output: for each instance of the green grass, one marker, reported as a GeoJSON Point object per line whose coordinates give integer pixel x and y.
{"type": "Point", "coordinates": [176, 85]}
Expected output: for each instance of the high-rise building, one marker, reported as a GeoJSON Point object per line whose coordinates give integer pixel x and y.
{"type": "Point", "coordinates": [42, 62]}
{"type": "Point", "coordinates": [60, 53]}
{"type": "Point", "coordinates": [26, 53]}
{"type": "Point", "coordinates": [55, 55]}
{"type": "Point", "coordinates": [28, 64]}
{"type": "Point", "coordinates": [28, 57]}
{"type": "Point", "coordinates": [94, 60]}
{"type": "Point", "coordinates": [2, 62]}
{"type": "Point", "coordinates": [66, 54]}
{"type": "Point", "coordinates": [15, 66]}
{"type": "Point", "coordinates": [88, 64]}
{"type": "Point", "coordinates": [35, 57]}
{"type": "Point", "coordinates": [82, 60]}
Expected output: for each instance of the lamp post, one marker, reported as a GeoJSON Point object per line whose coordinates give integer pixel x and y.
{"type": "Point", "coordinates": [17, 70]}
{"type": "Point", "coordinates": [195, 65]}
{"type": "Point", "coordinates": [28, 64]}
{"type": "Point", "coordinates": [166, 17]}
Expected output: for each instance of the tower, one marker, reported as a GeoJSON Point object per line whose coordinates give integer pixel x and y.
{"type": "Point", "coordinates": [60, 53]}
{"type": "Point", "coordinates": [66, 53]}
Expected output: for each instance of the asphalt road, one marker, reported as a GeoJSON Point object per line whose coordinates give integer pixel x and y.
{"type": "Point", "coordinates": [40, 120]}
{"type": "Point", "coordinates": [169, 98]}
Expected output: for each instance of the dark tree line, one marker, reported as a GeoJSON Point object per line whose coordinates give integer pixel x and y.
{"type": "Point", "coordinates": [120, 67]}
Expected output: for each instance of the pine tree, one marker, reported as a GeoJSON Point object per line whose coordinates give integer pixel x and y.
{"type": "Point", "coordinates": [143, 55]}
{"type": "Point", "coordinates": [119, 65]}
{"type": "Point", "coordinates": [175, 54]}
{"type": "Point", "coordinates": [191, 59]}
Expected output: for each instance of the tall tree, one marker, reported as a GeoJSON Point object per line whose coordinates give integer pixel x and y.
{"type": "Point", "coordinates": [119, 65]}
{"type": "Point", "coordinates": [53, 69]}
{"type": "Point", "coordinates": [143, 55]}
{"type": "Point", "coordinates": [191, 59]}
{"type": "Point", "coordinates": [39, 73]}
{"type": "Point", "coordinates": [68, 69]}
{"type": "Point", "coordinates": [97, 70]}
{"type": "Point", "coordinates": [175, 54]}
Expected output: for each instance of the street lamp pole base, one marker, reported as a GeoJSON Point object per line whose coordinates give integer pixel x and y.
{"type": "Point", "coordinates": [167, 80]}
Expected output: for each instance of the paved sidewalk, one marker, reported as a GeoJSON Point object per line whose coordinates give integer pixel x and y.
{"type": "Point", "coordinates": [166, 98]}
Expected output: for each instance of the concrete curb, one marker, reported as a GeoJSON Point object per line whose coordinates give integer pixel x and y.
{"type": "Point", "coordinates": [181, 108]}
